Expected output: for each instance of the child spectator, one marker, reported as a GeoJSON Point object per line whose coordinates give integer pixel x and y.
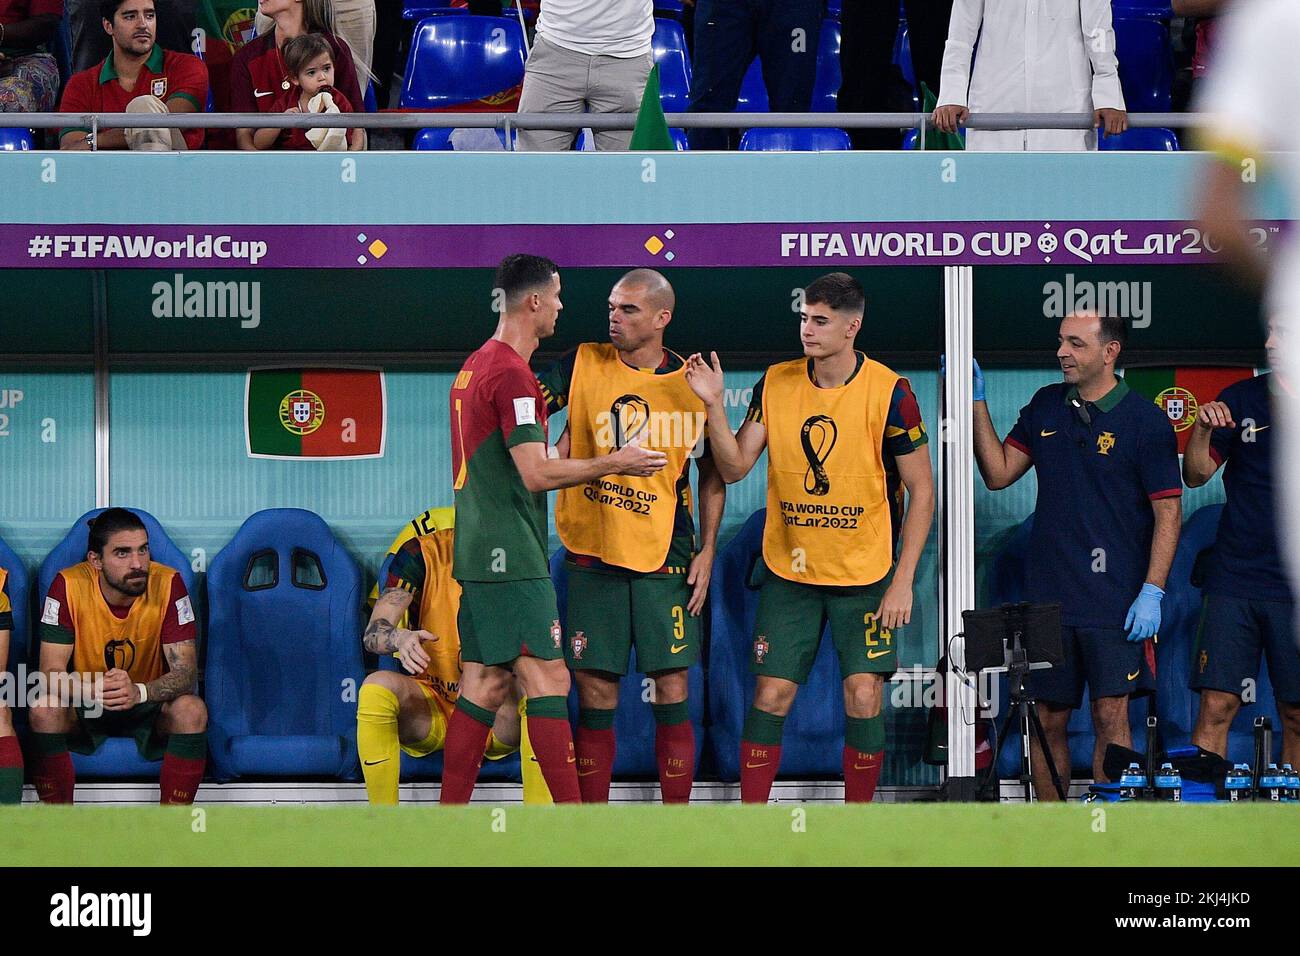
{"type": "Point", "coordinates": [309, 64]}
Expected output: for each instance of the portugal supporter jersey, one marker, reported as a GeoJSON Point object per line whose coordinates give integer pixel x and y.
{"type": "Point", "coordinates": [165, 74]}
{"type": "Point", "coordinates": [422, 566]}
{"type": "Point", "coordinates": [1091, 541]}
{"type": "Point", "coordinates": [496, 404]}
{"type": "Point", "coordinates": [1245, 562]}
{"type": "Point", "coordinates": [297, 138]}
{"type": "Point", "coordinates": [76, 613]}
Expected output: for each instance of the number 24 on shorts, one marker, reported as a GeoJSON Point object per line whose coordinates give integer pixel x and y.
{"type": "Point", "coordinates": [873, 627]}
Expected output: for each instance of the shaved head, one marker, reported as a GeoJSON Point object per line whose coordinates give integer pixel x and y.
{"type": "Point", "coordinates": [656, 289]}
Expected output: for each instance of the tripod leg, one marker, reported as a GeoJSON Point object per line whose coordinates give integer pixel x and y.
{"type": "Point", "coordinates": [1047, 750]}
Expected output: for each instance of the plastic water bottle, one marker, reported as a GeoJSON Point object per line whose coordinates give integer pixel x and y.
{"type": "Point", "coordinates": [1238, 782]}
{"type": "Point", "coordinates": [1132, 782]}
{"type": "Point", "coordinates": [1169, 783]}
{"type": "Point", "coordinates": [1272, 784]}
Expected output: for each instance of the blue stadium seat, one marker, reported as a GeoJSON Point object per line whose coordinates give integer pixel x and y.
{"type": "Point", "coordinates": [634, 724]}
{"type": "Point", "coordinates": [833, 8]}
{"type": "Point", "coordinates": [1151, 9]}
{"type": "Point", "coordinates": [371, 105]}
{"type": "Point", "coordinates": [670, 53]}
{"type": "Point", "coordinates": [814, 731]}
{"type": "Point", "coordinates": [801, 139]}
{"type": "Point", "coordinates": [284, 656]}
{"type": "Point", "coordinates": [669, 7]}
{"type": "Point", "coordinates": [18, 587]}
{"type": "Point", "coordinates": [118, 757]}
{"type": "Point", "coordinates": [826, 85]}
{"type": "Point", "coordinates": [459, 61]}
{"type": "Point", "coordinates": [415, 10]}
{"type": "Point", "coordinates": [903, 55]}
{"type": "Point", "coordinates": [13, 139]}
{"type": "Point", "coordinates": [1146, 65]}
{"type": "Point", "coordinates": [1144, 138]}
{"type": "Point", "coordinates": [1177, 703]}
{"type": "Point", "coordinates": [582, 144]}
{"type": "Point", "coordinates": [753, 92]}
{"type": "Point", "coordinates": [439, 138]}
{"type": "Point", "coordinates": [1007, 586]}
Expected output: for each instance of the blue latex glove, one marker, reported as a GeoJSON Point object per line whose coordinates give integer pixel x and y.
{"type": "Point", "coordinates": [1143, 620]}
{"type": "Point", "coordinates": [977, 377]}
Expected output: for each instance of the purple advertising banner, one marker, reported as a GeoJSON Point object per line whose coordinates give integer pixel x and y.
{"type": "Point", "coordinates": [1116, 242]}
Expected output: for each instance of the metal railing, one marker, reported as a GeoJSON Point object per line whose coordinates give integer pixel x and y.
{"type": "Point", "coordinates": [507, 122]}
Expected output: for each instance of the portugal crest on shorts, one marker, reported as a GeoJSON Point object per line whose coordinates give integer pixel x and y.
{"type": "Point", "coordinates": [556, 634]}
{"type": "Point", "coordinates": [761, 647]}
{"type": "Point", "coordinates": [579, 644]}
{"type": "Point", "coordinates": [302, 412]}
{"type": "Point", "coordinates": [1180, 405]}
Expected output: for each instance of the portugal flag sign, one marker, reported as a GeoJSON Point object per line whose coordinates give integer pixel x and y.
{"type": "Point", "coordinates": [314, 413]}
{"type": "Point", "coordinates": [1180, 392]}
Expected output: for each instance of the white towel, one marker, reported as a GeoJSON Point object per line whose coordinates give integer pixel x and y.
{"type": "Point", "coordinates": [323, 138]}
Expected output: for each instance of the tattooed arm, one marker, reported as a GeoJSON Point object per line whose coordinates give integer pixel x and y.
{"type": "Point", "coordinates": [383, 636]}
{"type": "Point", "coordinates": [182, 663]}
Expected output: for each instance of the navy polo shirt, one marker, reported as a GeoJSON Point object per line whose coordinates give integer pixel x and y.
{"type": "Point", "coordinates": [1245, 562]}
{"type": "Point", "coordinates": [1091, 541]}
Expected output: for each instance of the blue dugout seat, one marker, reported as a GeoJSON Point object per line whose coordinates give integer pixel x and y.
{"type": "Point", "coordinates": [118, 757]}
{"type": "Point", "coordinates": [795, 139]}
{"type": "Point", "coordinates": [284, 657]}
{"type": "Point", "coordinates": [814, 731]}
{"type": "Point", "coordinates": [634, 725]}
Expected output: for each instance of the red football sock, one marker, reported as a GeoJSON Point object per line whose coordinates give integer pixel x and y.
{"type": "Point", "coordinates": [552, 741]}
{"type": "Point", "coordinates": [861, 771]}
{"type": "Point", "coordinates": [462, 755]}
{"type": "Point", "coordinates": [675, 755]}
{"type": "Point", "coordinates": [758, 766]}
{"type": "Point", "coordinates": [11, 770]}
{"type": "Point", "coordinates": [180, 779]}
{"type": "Point", "coordinates": [595, 752]}
{"type": "Point", "coordinates": [53, 774]}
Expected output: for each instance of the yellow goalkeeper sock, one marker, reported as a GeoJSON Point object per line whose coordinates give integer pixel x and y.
{"type": "Point", "coordinates": [535, 789]}
{"type": "Point", "coordinates": [377, 743]}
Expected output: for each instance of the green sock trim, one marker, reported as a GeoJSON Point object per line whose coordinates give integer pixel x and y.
{"type": "Point", "coordinates": [593, 718]}
{"type": "Point", "coordinates": [188, 746]}
{"type": "Point", "coordinates": [763, 728]}
{"type": "Point", "coordinates": [481, 714]}
{"type": "Point", "coordinates": [11, 785]}
{"type": "Point", "coordinates": [50, 745]}
{"type": "Point", "coordinates": [554, 707]}
{"type": "Point", "coordinates": [865, 734]}
{"type": "Point", "coordinates": [666, 715]}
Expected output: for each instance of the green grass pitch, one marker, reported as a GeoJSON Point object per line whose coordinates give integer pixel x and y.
{"type": "Point", "coordinates": [788, 834]}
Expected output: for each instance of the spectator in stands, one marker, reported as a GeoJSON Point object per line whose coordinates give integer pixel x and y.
{"type": "Point", "coordinates": [868, 29]}
{"type": "Point", "coordinates": [354, 22]}
{"type": "Point", "coordinates": [176, 22]}
{"type": "Point", "coordinates": [588, 56]}
{"type": "Point", "coordinates": [138, 76]}
{"type": "Point", "coordinates": [1062, 61]}
{"type": "Point", "coordinates": [783, 34]}
{"type": "Point", "coordinates": [1205, 12]}
{"type": "Point", "coordinates": [29, 77]}
{"type": "Point", "coordinates": [310, 63]}
{"type": "Point", "coordinates": [122, 619]}
{"type": "Point", "coordinates": [258, 74]}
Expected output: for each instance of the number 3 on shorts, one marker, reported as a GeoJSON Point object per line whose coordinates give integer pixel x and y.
{"type": "Point", "coordinates": [873, 624]}
{"type": "Point", "coordinates": [679, 622]}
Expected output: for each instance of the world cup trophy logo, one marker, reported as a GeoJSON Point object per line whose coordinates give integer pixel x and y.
{"type": "Point", "coordinates": [818, 438]}
{"type": "Point", "coordinates": [119, 654]}
{"type": "Point", "coordinates": [630, 416]}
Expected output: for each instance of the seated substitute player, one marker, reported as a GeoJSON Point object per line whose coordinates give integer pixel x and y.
{"type": "Point", "coordinates": [501, 470]}
{"type": "Point", "coordinates": [634, 573]}
{"type": "Point", "coordinates": [411, 710]}
{"type": "Point", "coordinates": [11, 754]}
{"type": "Point", "coordinates": [1248, 606]}
{"type": "Point", "coordinates": [841, 431]}
{"type": "Point", "coordinates": [122, 615]}
{"type": "Point", "coordinates": [1106, 526]}
{"type": "Point", "coordinates": [137, 76]}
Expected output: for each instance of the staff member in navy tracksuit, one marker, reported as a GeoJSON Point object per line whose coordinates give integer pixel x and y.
{"type": "Point", "coordinates": [1248, 607]}
{"type": "Point", "coordinates": [1105, 529]}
